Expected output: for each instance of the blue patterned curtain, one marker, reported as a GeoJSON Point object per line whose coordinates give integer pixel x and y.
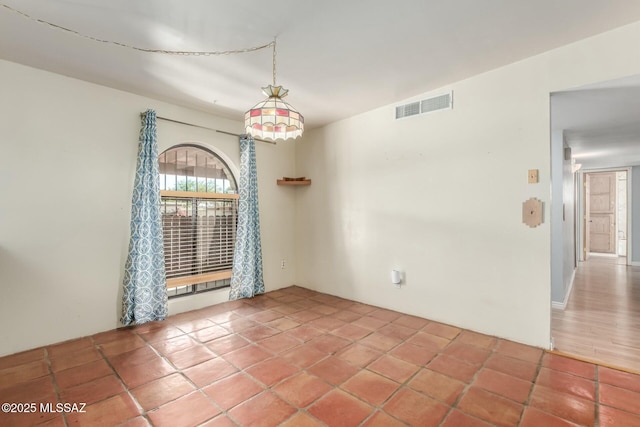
{"type": "Point", "coordinates": [145, 284]}
{"type": "Point", "coordinates": [246, 279]}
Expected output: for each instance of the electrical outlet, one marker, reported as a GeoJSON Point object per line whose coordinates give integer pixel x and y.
{"type": "Point", "coordinates": [282, 264]}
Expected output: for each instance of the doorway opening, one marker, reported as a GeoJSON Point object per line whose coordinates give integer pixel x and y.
{"type": "Point", "coordinates": [595, 237]}
{"type": "Point", "coordinates": [605, 202]}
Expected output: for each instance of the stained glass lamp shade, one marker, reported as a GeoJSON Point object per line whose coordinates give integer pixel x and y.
{"type": "Point", "coordinates": [273, 118]}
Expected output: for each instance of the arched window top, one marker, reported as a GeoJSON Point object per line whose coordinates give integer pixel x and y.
{"type": "Point", "coordinates": [193, 168]}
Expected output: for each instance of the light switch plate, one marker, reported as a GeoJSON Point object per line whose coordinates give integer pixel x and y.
{"type": "Point", "coordinates": [533, 176]}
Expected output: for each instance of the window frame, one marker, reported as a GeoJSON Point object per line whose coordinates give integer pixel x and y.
{"type": "Point", "coordinates": [195, 281]}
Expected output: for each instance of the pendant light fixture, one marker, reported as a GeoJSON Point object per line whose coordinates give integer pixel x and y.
{"type": "Point", "coordinates": [273, 118]}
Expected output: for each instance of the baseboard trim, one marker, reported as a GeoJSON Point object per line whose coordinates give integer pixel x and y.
{"type": "Point", "coordinates": [635, 263]}
{"type": "Point", "coordinates": [562, 305]}
{"type": "Point", "coordinates": [603, 255]}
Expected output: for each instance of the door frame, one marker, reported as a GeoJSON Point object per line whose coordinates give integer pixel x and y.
{"type": "Point", "coordinates": [581, 211]}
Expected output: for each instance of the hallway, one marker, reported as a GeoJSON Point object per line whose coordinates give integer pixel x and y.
{"type": "Point", "coordinates": [602, 319]}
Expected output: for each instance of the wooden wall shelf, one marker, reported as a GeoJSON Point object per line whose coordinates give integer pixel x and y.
{"type": "Point", "coordinates": [293, 182]}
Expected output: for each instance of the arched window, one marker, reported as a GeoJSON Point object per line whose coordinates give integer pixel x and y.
{"type": "Point", "coordinates": [199, 218]}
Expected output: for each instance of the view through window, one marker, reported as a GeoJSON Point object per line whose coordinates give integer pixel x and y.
{"type": "Point", "coordinates": [199, 217]}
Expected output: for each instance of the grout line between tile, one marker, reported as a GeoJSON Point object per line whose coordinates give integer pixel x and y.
{"type": "Point", "coordinates": [128, 391]}
{"type": "Point", "coordinates": [245, 310]}
{"type": "Point", "coordinates": [525, 405]}
{"type": "Point", "coordinates": [466, 388]}
{"type": "Point", "coordinates": [181, 373]}
{"type": "Point", "coordinates": [596, 415]}
{"type": "Point", "coordinates": [535, 379]}
{"type": "Point", "coordinates": [56, 388]}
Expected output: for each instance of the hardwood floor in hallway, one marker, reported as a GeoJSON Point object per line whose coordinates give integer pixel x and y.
{"type": "Point", "coordinates": [602, 319]}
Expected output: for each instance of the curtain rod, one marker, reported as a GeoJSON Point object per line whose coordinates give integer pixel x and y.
{"type": "Point", "coordinates": [208, 128]}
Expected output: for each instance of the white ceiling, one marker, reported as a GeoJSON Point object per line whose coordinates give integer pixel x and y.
{"type": "Point", "coordinates": [338, 58]}
{"type": "Point", "coordinates": [601, 122]}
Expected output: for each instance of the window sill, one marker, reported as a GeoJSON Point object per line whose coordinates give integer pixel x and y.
{"type": "Point", "coordinates": [198, 278]}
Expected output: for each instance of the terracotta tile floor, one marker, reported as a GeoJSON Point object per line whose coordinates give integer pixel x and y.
{"type": "Point", "coordinates": [298, 358]}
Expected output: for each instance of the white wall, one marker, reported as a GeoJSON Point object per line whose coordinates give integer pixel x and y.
{"type": "Point", "coordinates": [440, 196]}
{"type": "Point", "coordinates": [634, 183]}
{"type": "Point", "coordinates": [568, 226]}
{"type": "Point", "coordinates": [67, 161]}
{"type": "Point", "coordinates": [562, 221]}
{"type": "Point", "coordinates": [437, 196]}
{"type": "Point", "coordinates": [558, 288]}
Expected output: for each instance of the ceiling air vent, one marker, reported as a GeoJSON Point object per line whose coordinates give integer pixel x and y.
{"type": "Point", "coordinates": [429, 105]}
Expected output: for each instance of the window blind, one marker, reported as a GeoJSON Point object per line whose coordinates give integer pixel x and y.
{"type": "Point", "coordinates": [199, 235]}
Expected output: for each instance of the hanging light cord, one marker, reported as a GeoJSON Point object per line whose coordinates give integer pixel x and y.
{"type": "Point", "coordinates": [274, 61]}
{"type": "Point", "coordinates": [141, 49]}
